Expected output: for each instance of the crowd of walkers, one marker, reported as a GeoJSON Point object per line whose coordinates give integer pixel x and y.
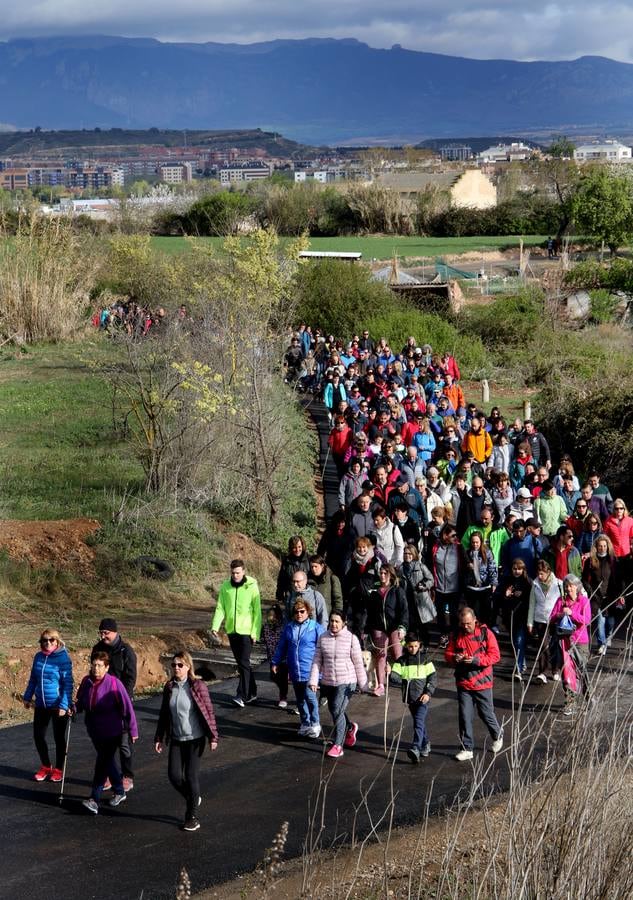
{"type": "Point", "coordinates": [135, 319]}
{"type": "Point", "coordinates": [453, 527]}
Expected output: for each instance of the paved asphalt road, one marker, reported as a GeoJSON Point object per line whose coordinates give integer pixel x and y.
{"type": "Point", "coordinates": [262, 774]}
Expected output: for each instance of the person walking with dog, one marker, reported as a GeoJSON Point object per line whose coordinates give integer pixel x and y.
{"type": "Point", "coordinates": [50, 691]}
{"type": "Point", "coordinates": [186, 722]}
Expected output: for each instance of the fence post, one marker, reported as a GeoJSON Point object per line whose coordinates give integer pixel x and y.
{"type": "Point", "coordinates": [527, 410]}
{"type": "Point", "coordinates": [485, 391]}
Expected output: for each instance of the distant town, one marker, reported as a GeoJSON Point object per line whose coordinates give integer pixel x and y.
{"type": "Point", "coordinates": [75, 177]}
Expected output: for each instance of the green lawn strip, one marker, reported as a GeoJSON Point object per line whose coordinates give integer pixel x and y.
{"type": "Point", "coordinates": [380, 247]}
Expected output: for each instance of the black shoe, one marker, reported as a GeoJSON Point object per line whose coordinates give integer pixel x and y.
{"type": "Point", "coordinates": [191, 824]}
{"type": "Point", "coordinates": [251, 699]}
{"type": "Point", "coordinates": [414, 755]}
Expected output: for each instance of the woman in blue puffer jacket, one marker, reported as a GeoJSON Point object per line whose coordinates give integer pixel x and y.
{"type": "Point", "coordinates": [50, 687]}
{"type": "Point", "coordinates": [297, 646]}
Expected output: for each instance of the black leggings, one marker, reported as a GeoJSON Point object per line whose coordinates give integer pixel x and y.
{"type": "Point", "coordinates": [184, 770]}
{"type": "Point", "coordinates": [42, 717]}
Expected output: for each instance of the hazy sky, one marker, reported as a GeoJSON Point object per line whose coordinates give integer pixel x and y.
{"type": "Point", "coordinates": [511, 29]}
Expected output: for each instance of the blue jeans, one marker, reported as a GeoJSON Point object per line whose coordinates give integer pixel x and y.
{"type": "Point", "coordinates": [519, 640]}
{"type": "Point", "coordinates": [338, 697]}
{"type": "Point", "coordinates": [604, 627]}
{"type": "Point", "coordinates": [307, 703]}
{"type": "Point", "coordinates": [419, 713]}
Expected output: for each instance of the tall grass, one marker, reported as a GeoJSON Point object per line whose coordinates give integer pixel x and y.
{"type": "Point", "coordinates": [46, 272]}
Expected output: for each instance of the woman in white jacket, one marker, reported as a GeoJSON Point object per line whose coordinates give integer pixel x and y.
{"type": "Point", "coordinates": [546, 590]}
{"type": "Point", "coordinates": [389, 540]}
{"type": "Point", "coordinates": [502, 454]}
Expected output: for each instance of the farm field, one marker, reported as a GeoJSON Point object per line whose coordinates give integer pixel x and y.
{"type": "Point", "coordinates": [383, 247]}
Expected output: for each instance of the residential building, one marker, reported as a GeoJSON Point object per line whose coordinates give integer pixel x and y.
{"type": "Point", "coordinates": [250, 171]}
{"type": "Point", "coordinates": [14, 179]}
{"type": "Point", "coordinates": [469, 188]}
{"type": "Point", "coordinates": [603, 151]}
{"type": "Point", "coordinates": [175, 173]}
{"type": "Point", "coordinates": [456, 152]}
{"type": "Point", "coordinates": [505, 153]}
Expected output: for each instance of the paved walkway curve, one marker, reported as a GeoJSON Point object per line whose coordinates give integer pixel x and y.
{"type": "Point", "coordinates": [261, 775]}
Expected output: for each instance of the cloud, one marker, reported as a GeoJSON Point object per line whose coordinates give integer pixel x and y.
{"type": "Point", "coordinates": [509, 29]}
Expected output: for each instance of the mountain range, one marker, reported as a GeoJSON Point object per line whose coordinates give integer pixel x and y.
{"type": "Point", "coordinates": [314, 90]}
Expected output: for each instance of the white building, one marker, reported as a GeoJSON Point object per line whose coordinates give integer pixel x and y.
{"type": "Point", "coordinates": [505, 153]}
{"type": "Point", "coordinates": [250, 171]}
{"type": "Point", "coordinates": [606, 151]}
{"type": "Point", "coordinates": [175, 173]}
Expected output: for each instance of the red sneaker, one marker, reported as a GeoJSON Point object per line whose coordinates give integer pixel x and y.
{"type": "Point", "coordinates": [350, 737]}
{"type": "Point", "coordinates": [56, 775]}
{"type": "Point", "coordinates": [42, 773]}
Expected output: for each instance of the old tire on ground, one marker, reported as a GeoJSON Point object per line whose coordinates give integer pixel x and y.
{"type": "Point", "coordinates": [154, 567]}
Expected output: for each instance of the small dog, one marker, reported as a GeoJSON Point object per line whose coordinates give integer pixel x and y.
{"type": "Point", "coordinates": [370, 668]}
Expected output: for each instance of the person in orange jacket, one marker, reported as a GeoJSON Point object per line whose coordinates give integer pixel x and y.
{"type": "Point", "coordinates": [478, 441]}
{"type": "Point", "coordinates": [455, 395]}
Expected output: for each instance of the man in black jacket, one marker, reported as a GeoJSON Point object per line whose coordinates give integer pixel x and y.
{"type": "Point", "coordinates": [123, 666]}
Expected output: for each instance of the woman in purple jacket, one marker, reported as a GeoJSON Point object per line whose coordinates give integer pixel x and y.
{"type": "Point", "coordinates": [187, 721]}
{"type": "Point", "coordinates": [109, 714]}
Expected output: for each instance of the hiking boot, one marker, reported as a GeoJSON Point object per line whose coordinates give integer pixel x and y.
{"type": "Point", "coordinates": [191, 824]}
{"type": "Point", "coordinates": [56, 775]}
{"type": "Point", "coordinates": [117, 799]}
{"type": "Point", "coordinates": [335, 752]}
{"type": "Point", "coordinates": [43, 773]}
{"type": "Point", "coordinates": [414, 755]}
{"type": "Point", "coordinates": [350, 737]}
{"type": "Point", "coordinates": [464, 755]}
{"type": "Point", "coordinates": [91, 805]}
{"type": "Point", "coordinates": [426, 750]}
{"type": "Point", "coordinates": [128, 784]}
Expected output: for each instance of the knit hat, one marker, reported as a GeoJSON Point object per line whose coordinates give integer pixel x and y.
{"type": "Point", "coordinates": [108, 625]}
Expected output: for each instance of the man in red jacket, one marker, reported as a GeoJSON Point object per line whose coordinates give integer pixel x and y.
{"type": "Point", "coordinates": [473, 650]}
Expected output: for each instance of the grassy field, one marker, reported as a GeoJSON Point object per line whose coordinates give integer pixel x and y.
{"type": "Point", "coordinates": [382, 247]}
{"type": "Point", "coordinates": [58, 457]}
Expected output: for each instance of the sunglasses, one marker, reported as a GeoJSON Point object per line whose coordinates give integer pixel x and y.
{"type": "Point", "coordinates": [176, 665]}
{"type": "Point", "coordinates": [48, 641]}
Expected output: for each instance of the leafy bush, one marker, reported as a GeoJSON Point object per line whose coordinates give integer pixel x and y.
{"type": "Point", "coordinates": [528, 214]}
{"type": "Point", "coordinates": [339, 297]}
{"type": "Point", "coordinates": [219, 213]}
{"type": "Point", "coordinates": [505, 323]}
{"type": "Point", "coordinates": [603, 305]}
{"type": "Point", "coordinates": [615, 276]}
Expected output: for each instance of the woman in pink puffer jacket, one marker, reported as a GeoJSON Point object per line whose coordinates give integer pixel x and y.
{"type": "Point", "coordinates": [339, 662]}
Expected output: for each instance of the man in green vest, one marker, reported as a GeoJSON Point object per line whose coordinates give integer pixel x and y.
{"type": "Point", "coordinates": [239, 608]}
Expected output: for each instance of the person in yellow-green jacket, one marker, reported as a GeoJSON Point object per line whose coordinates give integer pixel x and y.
{"type": "Point", "coordinates": [240, 609]}
{"type": "Point", "coordinates": [415, 672]}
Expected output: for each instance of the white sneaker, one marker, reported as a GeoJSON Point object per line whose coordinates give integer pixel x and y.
{"type": "Point", "coordinates": [602, 650]}
{"type": "Point", "coordinates": [283, 704]}
{"type": "Point", "coordinates": [497, 745]}
{"type": "Point", "coordinates": [91, 805]}
{"type": "Point", "coordinates": [464, 755]}
{"type": "Point", "coordinates": [556, 676]}
{"type": "Point", "coordinates": [315, 732]}
{"type": "Point", "coordinates": [518, 676]}
{"type": "Point", "coordinates": [542, 677]}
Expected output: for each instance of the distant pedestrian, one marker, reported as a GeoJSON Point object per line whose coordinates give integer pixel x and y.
{"type": "Point", "coordinates": [239, 608]}
{"type": "Point", "coordinates": [186, 722]}
{"type": "Point", "coordinates": [473, 651]}
{"type": "Point", "coordinates": [50, 690]}
{"type": "Point", "coordinates": [123, 666]}
{"type": "Point", "coordinates": [109, 714]}
{"type": "Point", "coordinates": [338, 661]}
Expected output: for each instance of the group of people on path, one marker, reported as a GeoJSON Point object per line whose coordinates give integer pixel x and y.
{"type": "Point", "coordinates": [105, 695]}
{"type": "Point", "coordinates": [453, 526]}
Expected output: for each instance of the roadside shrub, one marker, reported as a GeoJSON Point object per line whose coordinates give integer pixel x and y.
{"type": "Point", "coordinates": [338, 296]}
{"type": "Point", "coordinates": [506, 322]}
{"type": "Point", "coordinates": [615, 276]}
{"type": "Point", "coordinates": [218, 214]}
{"type": "Point", "coordinates": [603, 305]}
{"type": "Point", "coordinates": [593, 422]}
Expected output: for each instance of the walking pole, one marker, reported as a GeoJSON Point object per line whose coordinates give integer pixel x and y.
{"type": "Point", "coordinates": [61, 793]}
